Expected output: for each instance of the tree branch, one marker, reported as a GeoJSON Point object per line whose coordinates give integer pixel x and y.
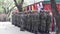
{"type": "Point", "coordinates": [19, 6]}
{"type": "Point", "coordinates": [11, 10]}
{"type": "Point", "coordinates": [4, 9]}
{"type": "Point", "coordinates": [16, 3]}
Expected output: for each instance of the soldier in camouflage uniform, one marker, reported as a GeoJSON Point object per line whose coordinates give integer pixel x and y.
{"type": "Point", "coordinates": [42, 26]}
{"type": "Point", "coordinates": [36, 23]}
{"type": "Point", "coordinates": [22, 22]}
{"type": "Point", "coordinates": [48, 21]}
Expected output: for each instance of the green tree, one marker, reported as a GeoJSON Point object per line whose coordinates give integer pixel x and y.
{"type": "Point", "coordinates": [7, 6]}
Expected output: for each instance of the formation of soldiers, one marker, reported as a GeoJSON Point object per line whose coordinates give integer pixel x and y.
{"type": "Point", "coordinates": [33, 22]}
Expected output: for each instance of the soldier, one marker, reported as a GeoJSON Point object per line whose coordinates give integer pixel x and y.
{"type": "Point", "coordinates": [30, 22]}
{"type": "Point", "coordinates": [36, 23]}
{"type": "Point", "coordinates": [18, 20]}
{"type": "Point", "coordinates": [22, 22]}
{"type": "Point", "coordinates": [48, 21]}
{"type": "Point", "coordinates": [12, 18]}
{"type": "Point", "coordinates": [15, 21]}
{"type": "Point", "coordinates": [27, 21]}
{"type": "Point", "coordinates": [42, 25]}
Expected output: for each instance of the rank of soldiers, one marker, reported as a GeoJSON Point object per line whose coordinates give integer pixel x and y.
{"type": "Point", "coordinates": [32, 22]}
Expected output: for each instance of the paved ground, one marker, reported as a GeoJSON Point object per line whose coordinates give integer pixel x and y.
{"type": "Point", "coordinates": [8, 28]}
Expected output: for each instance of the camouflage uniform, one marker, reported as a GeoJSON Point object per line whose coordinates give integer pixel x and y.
{"type": "Point", "coordinates": [42, 25]}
